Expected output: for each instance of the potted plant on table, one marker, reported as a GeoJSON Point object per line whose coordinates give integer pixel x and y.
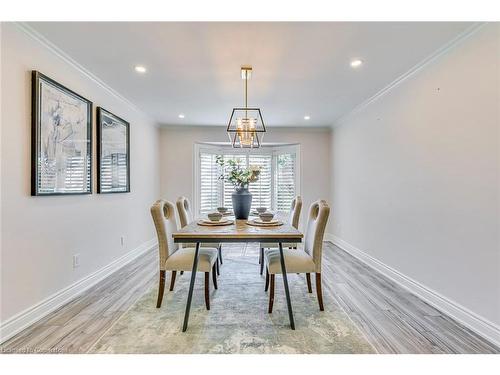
{"type": "Point", "coordinates": [233, 172]}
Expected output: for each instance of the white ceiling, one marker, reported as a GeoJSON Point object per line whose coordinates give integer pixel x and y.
{"type": "Point", "coordinates": [299, 68]}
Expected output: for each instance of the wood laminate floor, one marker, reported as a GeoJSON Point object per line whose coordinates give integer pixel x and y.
{"type": "Point", "coordinates": [392, 319]}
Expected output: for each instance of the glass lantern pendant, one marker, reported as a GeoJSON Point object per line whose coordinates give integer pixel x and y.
{"type": "Point", "coordinates": [246, 123]}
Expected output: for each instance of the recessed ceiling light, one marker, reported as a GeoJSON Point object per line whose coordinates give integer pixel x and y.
{"type": "Point", "coordinates": [140, 69]}
{"type": "Point", "coordinates": [181, 115]}
{"type": "Point", "coordinates": [356, 63]}
{"type": "Point", "coordinates": [307, 117]}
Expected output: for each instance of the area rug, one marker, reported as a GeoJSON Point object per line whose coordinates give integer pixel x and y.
{"type": "Point", "coordinates": [238, 321]}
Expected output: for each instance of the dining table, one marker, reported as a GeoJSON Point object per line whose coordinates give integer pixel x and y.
{"type": "Point", "coordinates": [238, 231]}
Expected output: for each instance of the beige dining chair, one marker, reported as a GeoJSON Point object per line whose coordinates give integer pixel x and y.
{"type": "Point", "coordinates": [186, 216]}
{"type": "Point", "coordinates": [173, 258]}
{"type": "Point", "coordinates": [293, 220]}
{"type": "Point", "coordinates": [307, 258]}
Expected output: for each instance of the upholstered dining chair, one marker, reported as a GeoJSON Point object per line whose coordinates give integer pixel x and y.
{"type": "Point", "coordinates": [293, 220]}
{"type": "Point", "coordinates": [186, 216]}
{"type": "Point", "coordinates": [307, 258]}
{"type": "Point", "coordinates": [173, 258]}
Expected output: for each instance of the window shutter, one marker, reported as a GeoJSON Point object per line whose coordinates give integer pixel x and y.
{"type": "Point", "coordinates": [284, 181]}
{"type": "Point", "coordinates": [209, 184]}
{"type": "Point", "coordinates": [261, 190]}
{"type": "Point", "coordinates": [275, 189]}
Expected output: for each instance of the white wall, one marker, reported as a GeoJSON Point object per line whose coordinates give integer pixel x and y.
{"type": "Point", "coordinates": [415, 176]}
{"type": "Point", "coordinates": [41, 234]}
{"type": "Point", "coordinates": [176, 155]}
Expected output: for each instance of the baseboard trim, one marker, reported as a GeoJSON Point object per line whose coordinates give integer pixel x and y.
{"type": "Point", "coordinates": [471, 320]}
{"type": "Point", "coordinates": [24, 319]}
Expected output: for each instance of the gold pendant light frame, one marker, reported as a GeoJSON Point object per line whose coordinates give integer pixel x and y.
{"type": "Point", "coordinates": [245, 124]}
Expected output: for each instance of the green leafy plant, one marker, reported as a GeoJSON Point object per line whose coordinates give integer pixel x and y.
{"type": "Point", "coordinates": [233, 172]}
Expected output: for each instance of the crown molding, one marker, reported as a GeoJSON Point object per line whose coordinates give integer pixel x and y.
{"type": "Point", "coordinates": [35, 35]}
{"type": "Point", "coordinates": [411, 72]}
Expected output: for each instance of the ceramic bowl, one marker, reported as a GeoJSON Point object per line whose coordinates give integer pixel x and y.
{"type": "Point", "coordinates": [261, 210]}
{"type": "Point", "coordinates": [266, 216]}
{"type": "Point", "coordinates": [215, 216]}
{"type": "Point", "coordinates": [222, 210]}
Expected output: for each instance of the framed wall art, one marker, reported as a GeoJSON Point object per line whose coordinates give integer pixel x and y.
{"type": "Point", "coordinates": [113, 153]}
{"type": "Point", "coordinates": [61, 139]}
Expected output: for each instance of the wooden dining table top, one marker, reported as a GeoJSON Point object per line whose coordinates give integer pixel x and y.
{"type": "Point", "coordinates": [239, 231]}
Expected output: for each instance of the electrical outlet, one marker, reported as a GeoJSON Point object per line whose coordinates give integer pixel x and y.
{"type": "Point", "coordinates": [122, 241]}
{"type": "Point", "coordinates": [76, 260]}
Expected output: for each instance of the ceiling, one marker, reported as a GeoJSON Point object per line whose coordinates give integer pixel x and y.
{"type": "Point", "coordinates": [299, 68]}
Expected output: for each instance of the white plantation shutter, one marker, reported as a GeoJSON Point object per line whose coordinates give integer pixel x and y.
{"type": "Point", "coordinates": [284, 181]}
{"type": "Point", "coordinates": [228, 186]}
{"type": "Point", "coordinates": [209, 183]}
{"type": "Point", "coordinates": [276, 188]}
{"type": "Point", "coordinates": [261, 190]}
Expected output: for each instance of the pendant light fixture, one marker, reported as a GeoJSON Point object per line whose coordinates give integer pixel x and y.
{"type": "Point", "coordinates": [246, 123]}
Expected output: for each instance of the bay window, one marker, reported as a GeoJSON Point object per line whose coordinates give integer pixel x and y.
{"type": "Point", "coordinates": [278, 184]}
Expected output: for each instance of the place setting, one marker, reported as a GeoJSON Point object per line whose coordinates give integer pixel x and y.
{"type": "Point", "coordinates": [225, 211]}
{"type": "Point", "coordinates": [218, 218]}
{"type": "Point", "coordinates": [264, 218]}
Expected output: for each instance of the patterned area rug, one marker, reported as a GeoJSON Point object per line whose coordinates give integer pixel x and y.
{"type": "Point", "coordinates": [238, 321]}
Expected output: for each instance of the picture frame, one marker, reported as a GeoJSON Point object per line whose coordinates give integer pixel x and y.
{"type": "Point", "coordinates": [113, 153]}
{"type": "Point", "coordinates": [61, 139]}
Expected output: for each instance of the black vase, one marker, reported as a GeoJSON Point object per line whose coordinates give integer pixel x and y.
{"type": "Point", "coordinates": [242, 201]}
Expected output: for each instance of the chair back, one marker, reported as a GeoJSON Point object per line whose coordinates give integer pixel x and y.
{"type": "Point", "coordinates": [295, 209]}
{"type": "Point", "coordinates": [163, 213]}
{"type": "Point", "coordinates": [185, 211]}
{"type": "Point", "coordinates": [315, 231]}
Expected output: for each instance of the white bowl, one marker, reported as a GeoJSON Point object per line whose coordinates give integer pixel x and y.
{"type": "Point", "coordinates": [266, 217]}
{"type": "Point", "coordinates": [214, 216]}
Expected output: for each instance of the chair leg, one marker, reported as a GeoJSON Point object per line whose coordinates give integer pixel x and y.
{"type": "Point", "coordinates": [207, 290]}
{"type": "Point", "coordinates": [261, 260]}
{"type": "Point", "coordinates": [308, 278]}
{"type": "Point", "coordinates": [319, 292]}
{"type": "Point", "coordinates": [214, 276]}
{"type": "Point", "coordinates": [220, 254]}
{"type": "Point", "coordinates": [271, 295]}
{"type": "Point", "coordinates": [172, 280]}
{"type": "Point", "coordinates": [217, 267]}
{"type": "Point", "coordinates": [267, 280]}
{"type": "Point", "coordinates": [161, 288]}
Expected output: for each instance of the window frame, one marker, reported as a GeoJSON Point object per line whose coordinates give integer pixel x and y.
{"type": "Point", "coordinates": [225, 148]}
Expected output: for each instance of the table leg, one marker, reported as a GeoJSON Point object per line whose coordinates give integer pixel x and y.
{"type": "Point", "coordinates": [191, 287]}
{"type": "Point", "coordinates": [287, 292]}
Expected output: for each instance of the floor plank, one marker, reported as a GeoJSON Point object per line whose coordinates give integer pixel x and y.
{"type": "Point", "coordinates": [392, 319]}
